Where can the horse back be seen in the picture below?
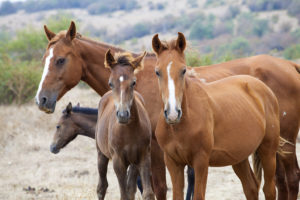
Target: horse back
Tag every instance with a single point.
(244, 110)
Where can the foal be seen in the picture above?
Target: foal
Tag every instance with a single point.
(215, 124)
(123, 130)
(74, 121)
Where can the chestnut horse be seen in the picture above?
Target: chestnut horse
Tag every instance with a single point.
(123, 129)
(70, 58)
(215, 124)
(73, 122)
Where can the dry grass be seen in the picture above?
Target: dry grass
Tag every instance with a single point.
(25, 136)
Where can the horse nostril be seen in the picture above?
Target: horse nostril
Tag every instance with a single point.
(127, 114)
(166, 113)
(179, 113)
(44, 100)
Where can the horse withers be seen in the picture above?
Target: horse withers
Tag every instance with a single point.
(215, 124)
(123, 130)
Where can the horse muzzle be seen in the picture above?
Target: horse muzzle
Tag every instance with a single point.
(123, 116)
(46, 104)
(54, 149)
(173, 117)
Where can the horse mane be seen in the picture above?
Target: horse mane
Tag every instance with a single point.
(169, 44)
(63, 33)
(83, 110)
(124, 58)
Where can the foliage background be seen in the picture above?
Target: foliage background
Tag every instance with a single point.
(242, 30)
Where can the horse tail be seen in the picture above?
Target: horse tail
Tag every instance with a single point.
(257, 166)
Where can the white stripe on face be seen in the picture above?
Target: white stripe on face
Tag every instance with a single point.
(45, 72)
(172, 100)
(121, 80)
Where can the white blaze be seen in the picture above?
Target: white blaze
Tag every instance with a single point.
(172, 100)
(45, 72)
(121, 80)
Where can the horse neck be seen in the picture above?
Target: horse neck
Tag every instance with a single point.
(86, 124)
(192, 85)
(94, 73)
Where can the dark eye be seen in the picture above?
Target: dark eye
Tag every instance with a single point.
(157, 73)
(58, 126)
(183, 71)
(133, 83)
(60, 61)
(111, 85)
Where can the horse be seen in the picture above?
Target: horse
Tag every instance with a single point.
(215, 124)
(73, 122)
(70, 57)
(123, 129)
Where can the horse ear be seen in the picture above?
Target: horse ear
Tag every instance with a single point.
(71, 34)
(156, 44)
(49, 33)
(138, 62)
(181, 42)
(109, 60)
(69, 108)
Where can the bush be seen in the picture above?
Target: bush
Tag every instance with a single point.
(262, 5)
(292, 52)
(248, 25)
(105, 6)
(18, 81)
(202, 28)
(7, 8)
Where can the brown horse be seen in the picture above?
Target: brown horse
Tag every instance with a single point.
(73, 122)
(123, 130)
(76, 58)
(215, 124)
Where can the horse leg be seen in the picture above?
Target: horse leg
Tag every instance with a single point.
(292, 174)
(267, 155)
(144, 168)
(176, 171)
(247, 178)
(281, 183)
(131, 181)
(120, 169)
(158, 169)
(200, 166)
(102, 169)
(191, 182)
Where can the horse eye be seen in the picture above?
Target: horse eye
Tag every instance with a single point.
(60, 61)
(183, 71)
(157, 73)
(111, 85)
(133, 83)
(58, 126)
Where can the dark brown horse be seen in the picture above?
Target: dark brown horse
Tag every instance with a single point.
(73, 122)
(123, 130)
(76, 58)
(215, 124)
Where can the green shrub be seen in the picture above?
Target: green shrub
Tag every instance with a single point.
(7, 8)
(106, 6)
(292, 52)
(194, 59)
(18, 81)
(202, 28)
